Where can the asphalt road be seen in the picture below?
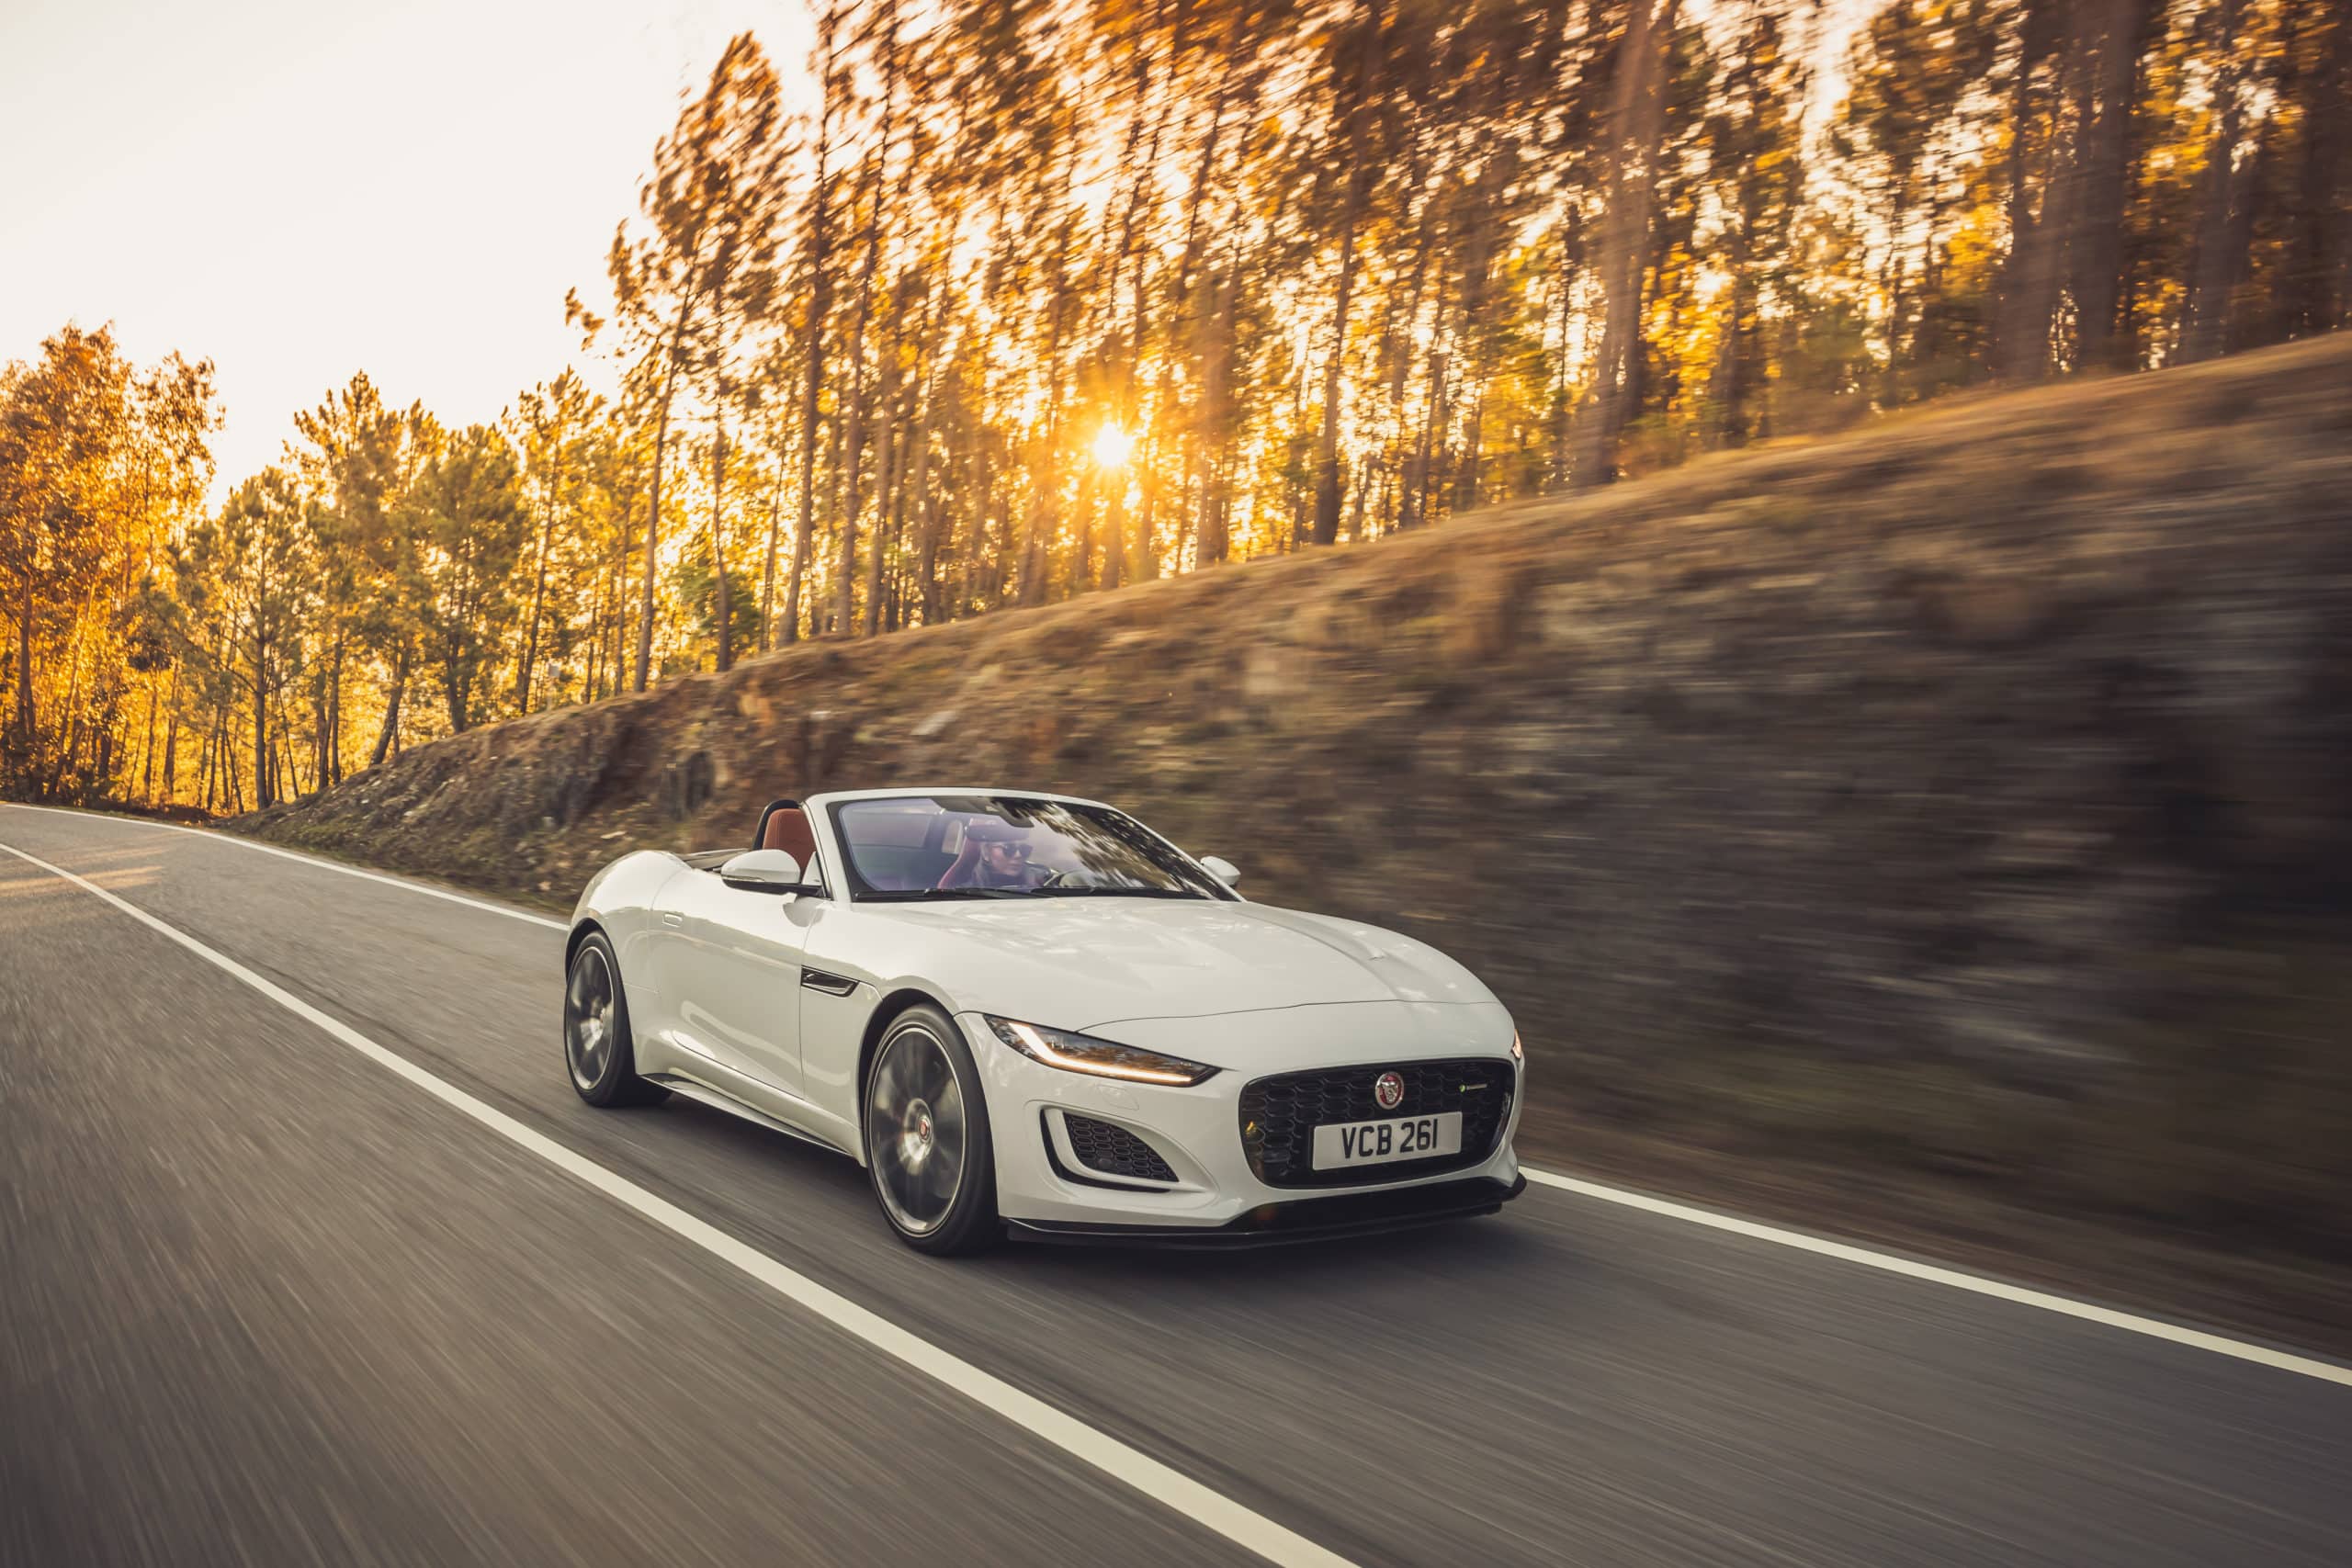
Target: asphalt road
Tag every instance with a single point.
(264, 1299)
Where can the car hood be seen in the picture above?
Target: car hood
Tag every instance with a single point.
(1085, 963)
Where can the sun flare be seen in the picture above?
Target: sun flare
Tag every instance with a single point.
(1114, 444)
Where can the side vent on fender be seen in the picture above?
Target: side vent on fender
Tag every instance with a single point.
(831, 985)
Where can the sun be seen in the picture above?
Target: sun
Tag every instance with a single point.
(1114, 444)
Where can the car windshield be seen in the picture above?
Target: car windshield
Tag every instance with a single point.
(904, 848)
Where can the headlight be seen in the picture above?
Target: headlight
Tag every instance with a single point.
(1083, 1054)
(1518, 1052)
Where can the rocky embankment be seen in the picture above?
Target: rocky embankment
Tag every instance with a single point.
(1967, 801)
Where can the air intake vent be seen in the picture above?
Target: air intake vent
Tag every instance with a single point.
(1113, 1151)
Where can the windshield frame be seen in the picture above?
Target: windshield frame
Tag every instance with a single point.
(1207, 887)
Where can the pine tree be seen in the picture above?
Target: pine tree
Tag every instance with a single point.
(684, 288)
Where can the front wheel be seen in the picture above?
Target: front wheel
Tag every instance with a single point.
(926, 1132)
(599, 1055)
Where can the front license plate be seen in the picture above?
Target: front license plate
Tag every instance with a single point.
(1340, 1144)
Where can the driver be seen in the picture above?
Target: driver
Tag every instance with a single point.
(995, 854)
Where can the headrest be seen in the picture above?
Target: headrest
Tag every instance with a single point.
(787, 829)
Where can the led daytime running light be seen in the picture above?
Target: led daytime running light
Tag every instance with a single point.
(1035, 1042)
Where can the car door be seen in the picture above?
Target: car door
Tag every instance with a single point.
(729, 971)
(838, 992)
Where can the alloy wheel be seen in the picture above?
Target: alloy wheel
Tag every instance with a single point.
(915, 1130)
(588, 1017)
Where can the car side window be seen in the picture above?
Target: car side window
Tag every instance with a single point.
(900, 848)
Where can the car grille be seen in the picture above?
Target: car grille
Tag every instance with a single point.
(1113, 1151)
(1279, 1116)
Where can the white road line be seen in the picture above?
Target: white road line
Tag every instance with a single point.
(426, 888)
(2154, 1328)
(1170, 1488)
(1976, 1284)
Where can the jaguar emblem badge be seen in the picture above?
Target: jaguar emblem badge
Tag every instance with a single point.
(1388, 1088)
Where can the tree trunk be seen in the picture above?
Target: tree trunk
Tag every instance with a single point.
(718, 541)
(847, 481)
(1498, 166)
(1395, 345)
(289, 755)
(853, 440)
(2029, 282)
(918, 487)
(1897, 218)
(2306, 297)
(1180, 300)
(232, 783)
(147, 752)
(25, 666)
(71, 712)
(654, 504)
(1046, 452)
(2119, 27)
(1638, 123)
(391, 713)
(1474, 446)
(1359, 188)
(885, 401)
(1215, 541)
(1326, 442)
(319, 723)
(2213, 271)
(1425, 463)
(804, 528)
(453, 697)
(262, 780)
(610, 629)
(204, 768)
(2328, 184)
(767, 572)
(820, 303)
(591, 690)
(1731, 387)
(334, 718)
(538, 592)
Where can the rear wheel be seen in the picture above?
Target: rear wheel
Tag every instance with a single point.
(926, 1131)
(599, 1055)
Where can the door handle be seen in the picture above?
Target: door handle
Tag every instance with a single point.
(670, 920)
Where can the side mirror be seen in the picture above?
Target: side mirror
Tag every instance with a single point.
(1225, 871)
(762, 871)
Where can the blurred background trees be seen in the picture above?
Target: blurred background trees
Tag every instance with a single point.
(1004, 301)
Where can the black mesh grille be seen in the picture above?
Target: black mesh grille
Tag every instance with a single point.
(1113, 1151)
(1279, 1116)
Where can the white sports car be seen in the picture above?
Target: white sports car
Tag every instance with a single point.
(1030, 1013)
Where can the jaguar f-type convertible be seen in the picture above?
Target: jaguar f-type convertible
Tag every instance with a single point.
(1031, 1014)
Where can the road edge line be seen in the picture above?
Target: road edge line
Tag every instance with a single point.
(1954, 1278)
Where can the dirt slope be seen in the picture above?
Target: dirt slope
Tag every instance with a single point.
(1966, 802)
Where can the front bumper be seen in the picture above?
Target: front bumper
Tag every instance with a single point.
(1296, 1219)
(1215, 1199)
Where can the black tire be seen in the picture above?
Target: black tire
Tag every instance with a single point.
(922, 1088)
(599, 1051)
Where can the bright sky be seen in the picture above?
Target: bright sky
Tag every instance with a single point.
(303, 188)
